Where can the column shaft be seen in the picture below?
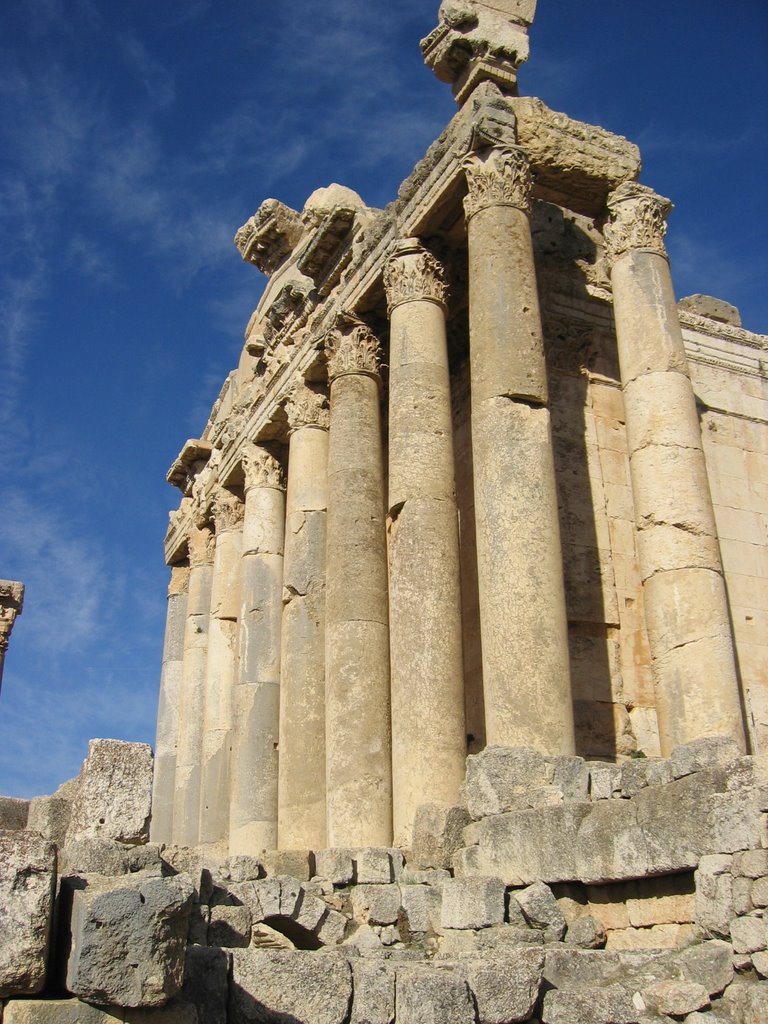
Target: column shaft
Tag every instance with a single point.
(689, 630)
(358, 738)
(189, 751)
(253, 803)
(168, 709)
(221, 672)
(301, 785)
(523, 625)
(428, 730)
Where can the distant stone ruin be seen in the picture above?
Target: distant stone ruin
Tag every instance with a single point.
(464, 706)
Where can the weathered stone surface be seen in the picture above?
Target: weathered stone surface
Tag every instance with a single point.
(49, 815)
(714, 896)
(712, 308)
(604, 780)
(708, 964)
(755, 1006)
(206, 983)
(95, 856)
(14, 813)
(376, 904)
(115, 793)
(244, 868)
(377, 865)
(374, 993)
(275, 987)
(676, 998)
(498, 775)
(613, 1004)
(27, 886)
(336, 865)
(296, 863)
(505, 985)
(734, 821)
(708, 752)
(541, 909)
(437, 834)
(432, 997)
(230, 927)
(422, 906)
(73, 1011)
(749, 934)
(611, 844)
(128, 939)
(586, 932)
(751, 863)
(472, 902)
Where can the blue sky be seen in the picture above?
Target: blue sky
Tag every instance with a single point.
(135, 138)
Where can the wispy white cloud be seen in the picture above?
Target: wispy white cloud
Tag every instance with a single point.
(157, 80)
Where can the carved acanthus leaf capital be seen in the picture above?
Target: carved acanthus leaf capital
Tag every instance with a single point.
(352, 347)
(637, 221)
(227, 510)
(202, 545)
(306, 407)
(497, 177)
(261, 468)
(413, 273)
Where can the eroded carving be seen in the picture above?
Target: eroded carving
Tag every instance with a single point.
(306, 407)
(270, 236)
(638, 221)
(227, 510)
(261, 468)
(201, 544)
(352, 347)
(413, 273)
(497, 177)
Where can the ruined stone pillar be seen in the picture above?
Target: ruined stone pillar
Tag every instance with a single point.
(11, 605)
(428, 733)
(689, 631)
(358, 731)
(523, 624)
(221, 673)
(301, 784)
(168, 708)
(189, 750)
(253, 801)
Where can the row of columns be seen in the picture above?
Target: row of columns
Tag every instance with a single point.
(321, 678)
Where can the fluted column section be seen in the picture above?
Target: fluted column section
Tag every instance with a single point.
(168, 708)
(189, 751)
(523, 624)
(358, 737)
(221, 673)
(689, 631)
(253, 802)
(301, 785)
(428, 732)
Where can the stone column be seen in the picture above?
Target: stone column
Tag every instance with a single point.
(428, 733)
(11, 605)
(168, 708)
(253, 802)
(523, 626)
(301, 785)
(189, 750)
(689, 631)
(221, 673)
(358, 731)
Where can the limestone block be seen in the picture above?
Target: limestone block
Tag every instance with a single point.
(640, 772)
(570, 776)
(749, 934)
(230, 927)
(611, 843)
(432, 997)
(373, 1001)
(658, 936)
(13, 813)
(665, 900)
(614, 1003)
(206, 983)
(422, 906)
(499, 774)
(437, 834)
(114, 796)
(332, 928)
(505, 985)
(759, 892)
(708, 964)
(760, 963)
(755, 1007)
(243, 868)
(751, 863)
(27, 886)
(472, 902)
(262, 897)
(94, 856)
(377, 865)
(298, 864)
(734, 821)
(417, 876)
(586, 932)
(289, 985)
(336, 865)
(49, 815)
(742, 897)
(365, 940)
(73, 1011)
(185, 861)
(676, 998)
(604, 780)
(541, 909)
(707, 752)
(376, 904)
(127, 940)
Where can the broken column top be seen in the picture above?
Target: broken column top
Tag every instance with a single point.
(11, 604)
(479, 41)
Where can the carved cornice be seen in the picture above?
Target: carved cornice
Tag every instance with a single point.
(352, 347)
(499, 176)
(201, 543)
(637, 221)
(718, 329)
(306, 407)
(270, 236)
(227, 510)
(261, 468)
(413, 274)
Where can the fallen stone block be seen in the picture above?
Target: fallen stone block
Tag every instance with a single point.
(27, 887)
(676, 998)
(276, 985)
(432, 996)
(114, 796)
(49, 815)
(89, 855)
(422, 907)
(73, 1011)
(541, 909)
(206, 983)
(336, 865)
(242, 868)
(230, 927)
(498, 775)
(613, 1004)
(505, 985)
(376, 865)
(472, 902)
(373, 1000)
(376, 904)
(14, 813)
(437, 834)
(128, 939)
(707, 752)
(332, 928)
(586, 932)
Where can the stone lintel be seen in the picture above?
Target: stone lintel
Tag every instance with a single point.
(712, 308)
(191, 459)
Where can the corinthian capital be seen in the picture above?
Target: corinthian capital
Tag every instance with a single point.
(306, 408)
(201, 544)
(227, 510)
(352, 347)
(638, 220)
(497, 177)
(261, 468)
(413, 273)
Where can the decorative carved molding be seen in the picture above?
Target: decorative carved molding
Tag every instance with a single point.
(637, 221)
(261, 468)
(227, 510)
(287, 312)
(412, 274)
(202, 546)
(497, 177)
(306, 407)
(718, 329)
(270, 236)
(352, 347)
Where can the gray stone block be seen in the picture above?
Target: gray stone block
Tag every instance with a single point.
(498, 775)
(49, 815)
(714, 898)
(376, 904)
(88, 855)
(751, 863)
(541, 909)
(277, 985)
(27, 887)
(734, 821)
(505, 984)
(376, 865)
(437, 834)
(676, 998)
(427, 996)
(114, 796)
(749, 934)
(373, 1000)
(336, 865)
(230, 927)
(586, 932)
(571, 777)
(14, 814)
(604, 780)
(611, 844)
(614, 1003)
(472, 902)
(298, 864)
(707, 752)
(422, 907)
(755, 1005)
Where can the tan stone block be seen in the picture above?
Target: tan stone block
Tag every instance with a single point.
(619, 501)
(607, 903)
(645, 728)
(660, 904)
(660, 936)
